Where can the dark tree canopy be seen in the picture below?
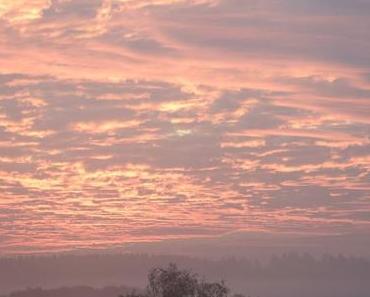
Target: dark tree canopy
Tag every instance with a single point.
(173, 282)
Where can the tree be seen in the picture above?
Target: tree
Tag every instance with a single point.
(173, 282)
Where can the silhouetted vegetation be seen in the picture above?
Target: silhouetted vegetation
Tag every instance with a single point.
(173, 282)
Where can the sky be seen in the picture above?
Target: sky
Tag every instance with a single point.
(138, 121)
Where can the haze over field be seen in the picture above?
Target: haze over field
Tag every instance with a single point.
(207, 128)
(278, 276)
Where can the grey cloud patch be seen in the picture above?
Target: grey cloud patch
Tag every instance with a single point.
(259, 118)
(141, 43)
(328, 7)
(80, 8)
(315, 38)
(231, 100)
(338, 88)
(299, 156)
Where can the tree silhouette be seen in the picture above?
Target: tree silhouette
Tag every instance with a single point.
(173, 282)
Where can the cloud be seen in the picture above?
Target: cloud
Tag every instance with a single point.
(120, 118)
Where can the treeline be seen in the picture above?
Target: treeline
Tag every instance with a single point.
(81, 291)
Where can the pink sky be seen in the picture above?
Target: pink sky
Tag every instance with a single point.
(125, 121)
